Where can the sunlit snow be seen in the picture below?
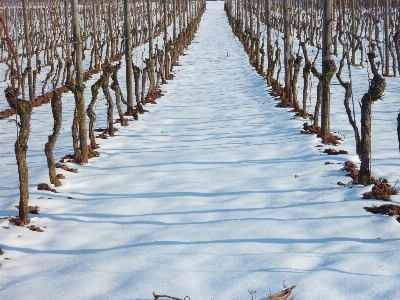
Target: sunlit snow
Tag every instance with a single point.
(211, 194)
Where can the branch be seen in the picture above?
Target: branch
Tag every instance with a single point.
(371, 59)
(303, 46)
(378, 83)
(315, 72)
(12, 50)
(339, 73)
(283, 294)
(316, 56)
(166, 296)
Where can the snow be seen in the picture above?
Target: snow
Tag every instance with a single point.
(211, 194)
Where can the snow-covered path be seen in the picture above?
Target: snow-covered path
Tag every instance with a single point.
(211, 194)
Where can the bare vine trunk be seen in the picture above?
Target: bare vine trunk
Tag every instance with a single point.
(24, 111)
(306, 80)
(317, 105)
(375, 91)
(118, 93)
(110, 104)
(90, 111)
(287, 55)
(56, 108)
(270, 51)
(328, 70)
(79, 86)
(128, 57)
(28, 53)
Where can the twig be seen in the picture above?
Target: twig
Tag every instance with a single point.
(169, 297)
(283, 295)
(12, 50)
(395, 183)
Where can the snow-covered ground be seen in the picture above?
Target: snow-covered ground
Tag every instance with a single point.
(213, 193)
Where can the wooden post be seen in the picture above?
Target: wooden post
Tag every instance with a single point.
(128, 57)
(28, 53)
(79, 86)
(328, 70)
(287, 54)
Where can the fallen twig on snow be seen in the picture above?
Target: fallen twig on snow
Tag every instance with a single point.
(283, 295)
(156, 297)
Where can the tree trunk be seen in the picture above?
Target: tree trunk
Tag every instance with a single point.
(353, 33)
(296, 64)
(28, 53)
(150, 20)
(110, 104)
(90, 111)
(287, 52)
(398, 129)
(151, 49)
(348, 94)
(67, 33)
(317, 105)
(251, 32)
(396, 40)
(79, 86)
(269, 42)
(128, 57)
(24, 111)
(311, 34)
(13, 53)
(136, 74)
(258, 37)
(56, 108)
(166, 59)
(364, 176)
(328, 70)
(118, 94)
(16, 54)
(375, 91)
(306, 79)
(386, 29)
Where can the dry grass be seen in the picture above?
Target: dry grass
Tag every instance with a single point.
(385, 209)
(310, 129)
(282, 295)
(66, 168)
(32, 209)
(352, 169)
(331, 151)
(45, 187)
(381, 190)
